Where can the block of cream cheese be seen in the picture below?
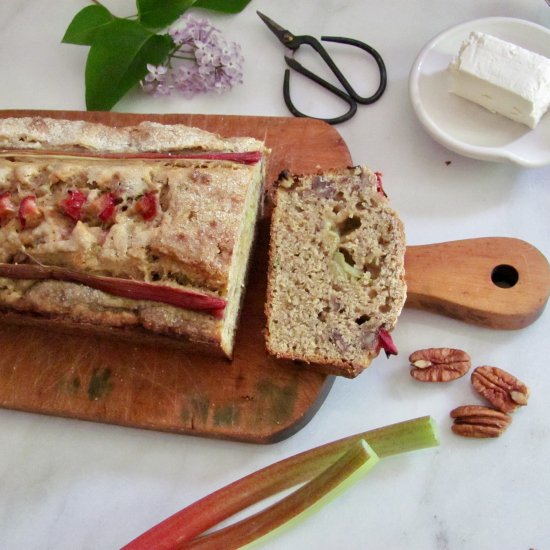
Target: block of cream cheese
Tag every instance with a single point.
(502, 77)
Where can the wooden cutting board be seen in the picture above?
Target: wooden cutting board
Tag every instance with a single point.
(253, 398)
(497, 282)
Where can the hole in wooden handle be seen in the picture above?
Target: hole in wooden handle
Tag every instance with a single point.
(505, 276)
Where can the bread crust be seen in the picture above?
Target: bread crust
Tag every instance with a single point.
(40, 133)
(133, 335)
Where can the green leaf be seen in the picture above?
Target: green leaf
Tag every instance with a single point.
(155, 14)
(118, 60)
(86, 23)
(225, 6)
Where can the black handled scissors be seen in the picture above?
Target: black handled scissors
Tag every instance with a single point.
(350, 96)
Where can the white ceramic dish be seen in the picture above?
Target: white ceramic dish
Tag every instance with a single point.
(463, 126)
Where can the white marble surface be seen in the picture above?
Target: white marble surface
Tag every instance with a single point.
(76, 485)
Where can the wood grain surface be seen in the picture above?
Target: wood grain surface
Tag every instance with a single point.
(253, 398)
(497, 282)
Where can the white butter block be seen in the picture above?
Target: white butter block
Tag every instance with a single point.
(502, 77)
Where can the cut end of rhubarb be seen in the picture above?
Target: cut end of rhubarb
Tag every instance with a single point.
(402, 437)
(386, 343)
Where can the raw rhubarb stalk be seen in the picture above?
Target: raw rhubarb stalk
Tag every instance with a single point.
(246, 157)
(207, 512)
(125, 288)
(355, 463)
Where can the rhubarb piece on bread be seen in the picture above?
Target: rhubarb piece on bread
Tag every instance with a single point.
(138, 232)
(336, 281)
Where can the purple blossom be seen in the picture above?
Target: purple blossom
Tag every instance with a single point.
(203, 61)
(156, 72)
(155, 80)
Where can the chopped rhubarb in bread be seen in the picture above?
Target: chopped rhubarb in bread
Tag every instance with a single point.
(143, 230)
(336, 282)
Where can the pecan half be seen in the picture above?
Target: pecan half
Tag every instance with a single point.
(503, 390)
(479, 422)
(439, 364)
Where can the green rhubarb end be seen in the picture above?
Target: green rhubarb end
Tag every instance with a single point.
(402, 437)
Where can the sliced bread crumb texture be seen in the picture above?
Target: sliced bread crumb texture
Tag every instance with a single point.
(336, 274)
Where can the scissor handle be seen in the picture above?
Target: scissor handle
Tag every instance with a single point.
(327, 85)
(350, 96)
(370, 50)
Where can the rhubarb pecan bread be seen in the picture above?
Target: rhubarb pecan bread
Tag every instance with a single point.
(336, 281)
(131, 231)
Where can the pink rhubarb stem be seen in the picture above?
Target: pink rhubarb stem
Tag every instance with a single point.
(125, 288)
(386, 342)
(245, 157)
(187, 524)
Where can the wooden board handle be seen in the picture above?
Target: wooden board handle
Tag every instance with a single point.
(497, 282)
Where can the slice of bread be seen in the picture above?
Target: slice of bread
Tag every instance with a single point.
(336, 279)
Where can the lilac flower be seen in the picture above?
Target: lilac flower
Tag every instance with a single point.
(155, 79)
(156, 73)
(201, 61)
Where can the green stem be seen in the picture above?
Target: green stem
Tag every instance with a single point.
(182, 57)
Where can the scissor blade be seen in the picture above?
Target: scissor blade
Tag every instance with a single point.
(282, 34)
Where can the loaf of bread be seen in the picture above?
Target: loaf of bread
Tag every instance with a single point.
(136, 232)
(336, 281)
